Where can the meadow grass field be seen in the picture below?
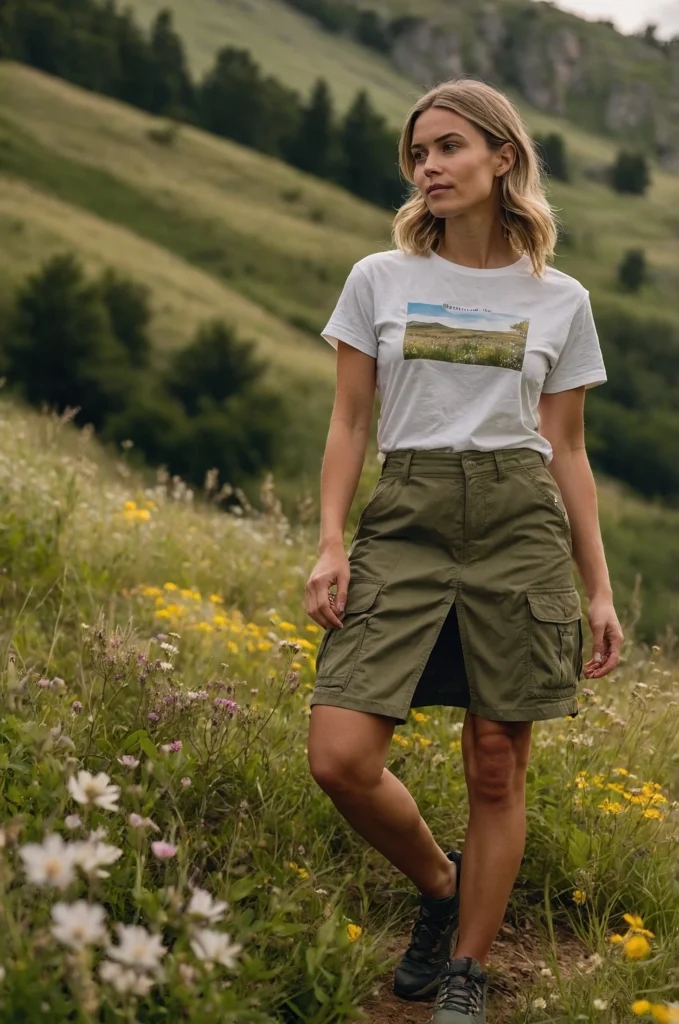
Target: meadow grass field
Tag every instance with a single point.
(164, 851)
(462, 345)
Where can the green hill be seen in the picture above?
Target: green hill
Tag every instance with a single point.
(216, 229)
(544, 57)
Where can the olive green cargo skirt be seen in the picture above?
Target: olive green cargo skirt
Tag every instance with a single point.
(461, 592)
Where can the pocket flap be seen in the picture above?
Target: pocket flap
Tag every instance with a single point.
(362, 593)
(555, 605)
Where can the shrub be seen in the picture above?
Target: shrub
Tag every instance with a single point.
(632, 270)
(630, 173)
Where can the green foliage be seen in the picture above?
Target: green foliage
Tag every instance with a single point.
(632, 270)
(213, 368)
(235, 100)
(631, 173)
(62, 349)
(552, 151)
(102, 49)
(85, 344)
(313, 148)
(369, 166)
(129, 310)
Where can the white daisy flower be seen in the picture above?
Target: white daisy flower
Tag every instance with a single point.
(124, 979)
(539, 1004)
(215, 948)
(600, 1004)
(170, 648)
(94, 789)
(79, 924)
(92, 855)
(49, 863)
(138, 948)
(202, 905)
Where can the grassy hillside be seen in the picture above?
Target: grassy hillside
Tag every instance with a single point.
(167, 644)
(286, 44)
(217, 229)
(276, 236)
(213, 228)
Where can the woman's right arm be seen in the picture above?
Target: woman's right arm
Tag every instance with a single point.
(343, 460)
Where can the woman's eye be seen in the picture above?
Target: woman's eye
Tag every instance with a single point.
(453, 144)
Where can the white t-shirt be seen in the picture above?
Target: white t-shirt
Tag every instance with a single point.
(463, 354)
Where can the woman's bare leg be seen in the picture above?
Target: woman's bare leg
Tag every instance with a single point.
(347, 751)
(495, 758)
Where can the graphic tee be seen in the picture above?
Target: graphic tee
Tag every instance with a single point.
(463, 354)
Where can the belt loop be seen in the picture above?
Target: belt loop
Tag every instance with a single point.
(406, 467)
(500, 467)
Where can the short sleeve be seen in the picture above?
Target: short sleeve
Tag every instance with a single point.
(353, 319)
(580, 361)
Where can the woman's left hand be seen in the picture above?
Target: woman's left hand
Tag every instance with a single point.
(607, 638)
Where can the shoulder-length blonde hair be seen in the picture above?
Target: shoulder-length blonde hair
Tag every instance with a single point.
(527, 217)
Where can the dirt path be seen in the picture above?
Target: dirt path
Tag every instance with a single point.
(513, 965)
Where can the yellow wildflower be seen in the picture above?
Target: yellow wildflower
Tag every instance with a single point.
(170, 586)
(216, 599)
(610, 806)
(615, 939)
(420, 717)
(622, 771)
(313, 629)
(232, 646)
(660, 1013)
(636, 924)
(353, 932)
(636, 948)
(130, 506)
(579, 897)
(651, 812)
(288, 626)
(640, 1007)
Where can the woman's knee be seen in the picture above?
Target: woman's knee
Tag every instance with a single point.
(496, 762)
(345, 752)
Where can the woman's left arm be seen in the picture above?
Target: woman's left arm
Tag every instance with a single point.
(562, 423)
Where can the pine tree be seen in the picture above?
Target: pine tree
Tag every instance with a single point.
(313, 144)
(173, 91)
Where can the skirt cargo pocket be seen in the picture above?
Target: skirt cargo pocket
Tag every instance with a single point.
(554, 640)
(340, 648)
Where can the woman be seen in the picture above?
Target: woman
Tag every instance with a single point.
(458, 586)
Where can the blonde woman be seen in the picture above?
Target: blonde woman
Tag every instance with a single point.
(458, 585)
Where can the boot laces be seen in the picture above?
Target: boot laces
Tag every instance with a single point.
(462, 992)
(426, 935)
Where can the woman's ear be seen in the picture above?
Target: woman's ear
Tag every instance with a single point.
(506, 158)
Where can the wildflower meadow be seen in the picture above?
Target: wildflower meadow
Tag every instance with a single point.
(164, 852)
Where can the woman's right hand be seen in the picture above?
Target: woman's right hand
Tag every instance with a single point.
(332, 567)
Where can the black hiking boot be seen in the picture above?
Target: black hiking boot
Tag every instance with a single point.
(461, 997)
(417, 973)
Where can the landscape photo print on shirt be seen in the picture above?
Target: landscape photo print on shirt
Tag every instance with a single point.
(456, 334)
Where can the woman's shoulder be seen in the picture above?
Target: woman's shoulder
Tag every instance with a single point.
(387, 259)
(564, 283)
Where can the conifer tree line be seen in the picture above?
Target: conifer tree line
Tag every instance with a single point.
(72, 341)
(99, 47)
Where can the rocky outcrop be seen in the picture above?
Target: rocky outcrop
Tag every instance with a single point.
(559, 63)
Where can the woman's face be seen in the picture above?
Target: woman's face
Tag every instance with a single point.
(452, 155)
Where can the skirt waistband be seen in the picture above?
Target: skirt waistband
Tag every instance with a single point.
(408, 462)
